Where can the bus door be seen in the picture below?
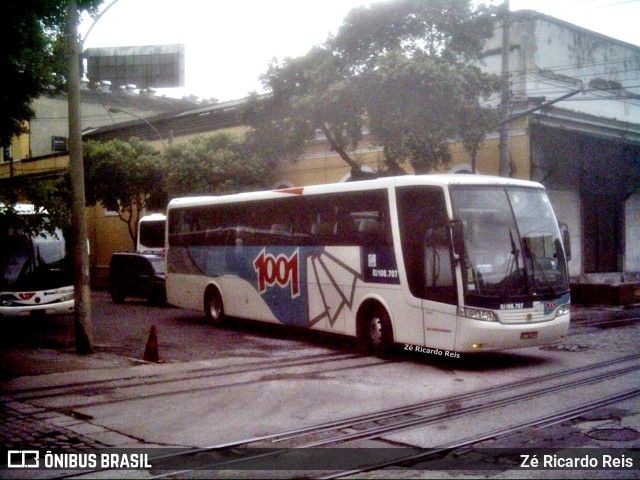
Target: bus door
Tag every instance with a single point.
(440, 292)
(426, 251)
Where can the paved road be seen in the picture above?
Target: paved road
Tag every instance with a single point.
(32, 346)
(121, 333)
(205, 411)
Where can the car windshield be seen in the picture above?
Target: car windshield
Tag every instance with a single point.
(512, 242)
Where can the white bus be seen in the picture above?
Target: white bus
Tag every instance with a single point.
(151, 230)
(35, 273)
(453, 263)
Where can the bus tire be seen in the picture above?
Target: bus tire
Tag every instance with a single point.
(158, 297)
(213, 306)
(376, 336)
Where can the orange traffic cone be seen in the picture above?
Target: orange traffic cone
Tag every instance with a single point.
(151, 352)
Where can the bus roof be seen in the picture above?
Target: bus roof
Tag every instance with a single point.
(25, 209)
(153, 217)
(386, 182)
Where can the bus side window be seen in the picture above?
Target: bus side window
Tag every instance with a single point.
(321, 226)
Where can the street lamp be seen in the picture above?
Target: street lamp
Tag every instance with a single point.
(81, 40)
(155, 130)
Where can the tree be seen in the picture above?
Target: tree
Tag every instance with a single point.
(406, 70)
(214, 165)
(124, 177)
(32, 62)
(51, 195)
(128, 177)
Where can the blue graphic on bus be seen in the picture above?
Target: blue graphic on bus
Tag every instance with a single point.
(281, 277)
(278, 275)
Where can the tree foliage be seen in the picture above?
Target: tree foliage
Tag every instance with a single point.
(406, 70)
(214, 165)
(31, 59)
(50, 195)
(124, 177)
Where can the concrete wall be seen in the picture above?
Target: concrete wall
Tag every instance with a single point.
(107, 234)
(632, 233)
(566, 204)
(549, 57)
(321, 165)
(52, 119)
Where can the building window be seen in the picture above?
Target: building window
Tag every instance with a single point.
(59, 144)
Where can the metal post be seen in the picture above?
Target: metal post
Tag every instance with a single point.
(80, 248)
(505, 169)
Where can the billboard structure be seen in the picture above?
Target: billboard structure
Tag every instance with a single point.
(149, 66)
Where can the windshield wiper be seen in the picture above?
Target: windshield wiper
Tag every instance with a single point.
(536, 264)
(513, 263)
(513, 268)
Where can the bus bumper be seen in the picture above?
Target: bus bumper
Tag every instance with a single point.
(477, 335)
(59, 308)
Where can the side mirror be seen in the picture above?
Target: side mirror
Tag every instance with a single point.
(457, 238)
(566, 239)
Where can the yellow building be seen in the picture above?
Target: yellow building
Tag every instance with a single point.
(42, 153)
(318, 165)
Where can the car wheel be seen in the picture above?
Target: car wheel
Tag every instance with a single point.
(213, 306)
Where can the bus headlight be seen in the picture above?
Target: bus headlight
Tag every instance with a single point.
(563, 309)
(477, 314)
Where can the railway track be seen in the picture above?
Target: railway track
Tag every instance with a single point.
(539, 422)
(124, 389)
(583, 326)
(384, 427)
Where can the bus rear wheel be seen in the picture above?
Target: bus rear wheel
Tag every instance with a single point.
(377, 337)
(213, 306)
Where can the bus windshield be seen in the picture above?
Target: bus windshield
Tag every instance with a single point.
(512, 243)
(151, 233)
(33, 262)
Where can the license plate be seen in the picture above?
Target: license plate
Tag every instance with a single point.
(528, 335)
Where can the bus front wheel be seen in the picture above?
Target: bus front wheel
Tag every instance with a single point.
(377, 335)
(213, 306)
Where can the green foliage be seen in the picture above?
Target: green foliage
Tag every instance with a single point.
(54, 196)
(214, 165)
(417, 107)
(32, 59)
(51, 195)
(123, 176)
(314, 92)
(404, 69)
(450, 29)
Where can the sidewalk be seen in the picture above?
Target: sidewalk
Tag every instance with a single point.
(23, 426)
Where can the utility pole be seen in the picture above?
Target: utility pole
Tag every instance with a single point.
(505, 168)
(80, 249)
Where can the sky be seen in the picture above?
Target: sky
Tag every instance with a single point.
(229, 43)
